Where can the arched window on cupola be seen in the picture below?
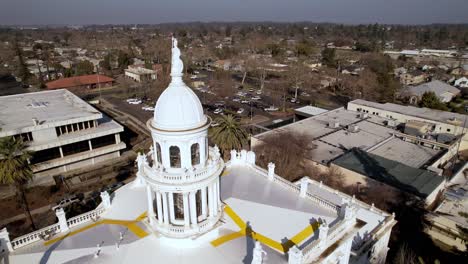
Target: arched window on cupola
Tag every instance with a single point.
(158, 153)
(195, 151)
(174, 156)
(178, 206)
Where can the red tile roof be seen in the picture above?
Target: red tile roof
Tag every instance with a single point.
(78, 81)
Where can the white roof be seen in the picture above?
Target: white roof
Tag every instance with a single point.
(178, 107)
(310, 110)
(51, 108)
(272, 210)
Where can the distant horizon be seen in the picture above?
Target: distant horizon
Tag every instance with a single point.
(229, 22)
(152, 12)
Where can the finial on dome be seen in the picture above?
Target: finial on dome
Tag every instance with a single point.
(176, 63)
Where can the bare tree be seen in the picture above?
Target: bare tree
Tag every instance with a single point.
(287, 151)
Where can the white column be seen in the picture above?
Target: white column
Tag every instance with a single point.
(215, 199)
(90, 145)
(159, 207)
(106, 199)
(203, 202)
(218, 193)
(186, 210)
(193, 209)
(201, 144)
(165, 209)
(62, 220)
(149, 197)
(171, 207)
(271, 170)
(304, 187)
(210, 201)
(117, 138)
(295, 255)
(61, 152)
(5, 239)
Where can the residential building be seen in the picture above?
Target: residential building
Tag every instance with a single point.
(140, 73)
(222, 64)
(63, 131)
(82, 82)
(443, 91)
(178, 209)
(461, 82)
(412, 78)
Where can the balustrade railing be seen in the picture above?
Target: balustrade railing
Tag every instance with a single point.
(35, 236)
(187, 176)
(322, 202)
(49, 231)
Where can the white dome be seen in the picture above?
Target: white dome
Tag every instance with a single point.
(178, 107)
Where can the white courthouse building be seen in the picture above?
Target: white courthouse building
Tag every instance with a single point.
(188, 206)
(63, 131)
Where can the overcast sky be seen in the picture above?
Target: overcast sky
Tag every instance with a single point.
(66, 12)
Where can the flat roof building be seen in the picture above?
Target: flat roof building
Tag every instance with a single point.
(63, 131)
(140, 74)
(336, 133)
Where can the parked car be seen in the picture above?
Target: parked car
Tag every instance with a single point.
(134, 101)
(258, 92)
(271, 109)
(235, 99)
(66, 202)
(245, 102)
(218, 111)
(256, 98)
(240, 111)
(148, 108)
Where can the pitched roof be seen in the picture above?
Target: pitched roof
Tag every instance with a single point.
(78, 81)
(416, 181)
(435, 86)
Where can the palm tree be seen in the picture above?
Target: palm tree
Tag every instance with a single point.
(15, 168)
(228, 134)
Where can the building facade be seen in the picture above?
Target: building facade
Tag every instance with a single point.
(63, 131)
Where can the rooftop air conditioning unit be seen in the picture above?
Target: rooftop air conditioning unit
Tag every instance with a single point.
(353, 128)
(334, 124)
(391, 123)
(363, 115)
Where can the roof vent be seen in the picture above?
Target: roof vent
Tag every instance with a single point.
(334, 124)
(363, 115)
(390, 123)
(353, 128)
(35, 121)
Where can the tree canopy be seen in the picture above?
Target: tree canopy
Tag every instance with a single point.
(430, 100)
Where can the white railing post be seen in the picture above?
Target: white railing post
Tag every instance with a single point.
(5, 241)
(62, 220)
(243, 155)
(323, 234)
(304, 186)
(271, 170)
(251, 158)
(105, 197)
(258, 253)
(295, 256)
(233, 156)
